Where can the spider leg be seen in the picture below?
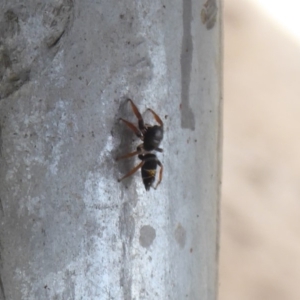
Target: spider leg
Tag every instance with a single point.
(133, 128)
(139, 150)
(132, 171)
(137, 114)
(127, 155)
(160, 174)
(156, 117)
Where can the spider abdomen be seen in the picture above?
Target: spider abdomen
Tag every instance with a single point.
(148, 169)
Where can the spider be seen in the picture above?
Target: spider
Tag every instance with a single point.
(151, 137)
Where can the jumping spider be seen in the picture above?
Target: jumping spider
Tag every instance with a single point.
(151, 137)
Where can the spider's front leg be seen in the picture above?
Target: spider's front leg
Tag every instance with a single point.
(133, 128)
(138, 115)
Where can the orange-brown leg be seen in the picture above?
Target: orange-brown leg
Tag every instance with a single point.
(132, 171)
(139, 150)
(156, 117)
(160, 174)
(133, 128)
(127, 155)
(137, 114)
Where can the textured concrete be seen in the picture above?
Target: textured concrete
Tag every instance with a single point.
(69, 230)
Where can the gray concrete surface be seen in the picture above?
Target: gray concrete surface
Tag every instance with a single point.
(69, 230)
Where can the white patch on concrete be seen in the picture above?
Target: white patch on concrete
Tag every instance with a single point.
(109, 146)
(59, 113)
(105, 252)
(34, 31)
(56, 156)
(152, 209)
(57, 70)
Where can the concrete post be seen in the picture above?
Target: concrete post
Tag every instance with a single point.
(69, 230)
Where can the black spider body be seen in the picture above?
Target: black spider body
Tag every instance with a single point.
(151, 137)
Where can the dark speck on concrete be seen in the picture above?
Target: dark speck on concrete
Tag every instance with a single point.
(180, 235)
(187, 116)
(147, 236)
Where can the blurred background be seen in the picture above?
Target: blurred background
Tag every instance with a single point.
(260, 215)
